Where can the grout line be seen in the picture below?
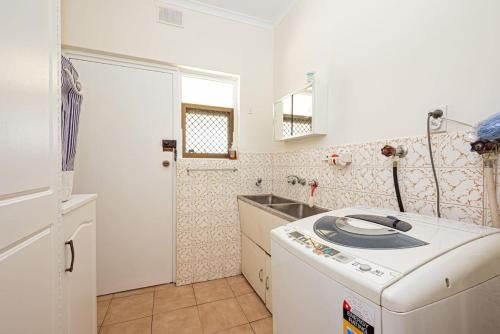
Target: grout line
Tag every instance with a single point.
(106, 313)
(122, 322)
(152, 311)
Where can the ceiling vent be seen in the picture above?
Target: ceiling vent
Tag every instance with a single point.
(170, 16)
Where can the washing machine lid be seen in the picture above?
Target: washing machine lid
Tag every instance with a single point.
(438, 235)
(366, 231)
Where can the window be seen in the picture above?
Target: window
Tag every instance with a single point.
(207, 117)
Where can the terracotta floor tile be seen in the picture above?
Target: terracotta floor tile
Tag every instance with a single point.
(264, 326)
(104, 297)
(134, 292)
(170, 297)
(239, 285)
(129, 308)
(210, 291)
(102, 308)
(183, 321)
(253, 307)
(245, 329)
(220, 315)
(139, 326)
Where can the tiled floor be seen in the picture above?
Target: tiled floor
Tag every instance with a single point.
(224, 306)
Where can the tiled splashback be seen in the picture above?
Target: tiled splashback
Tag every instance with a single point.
(368, 180)
(208, 230)
(208, 227)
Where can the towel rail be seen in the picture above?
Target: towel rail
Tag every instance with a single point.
(189, 170)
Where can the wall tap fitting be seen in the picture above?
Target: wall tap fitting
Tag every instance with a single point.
(482, 146)
(259, 182)
(390, 151)
(294, 179)
(313, 183)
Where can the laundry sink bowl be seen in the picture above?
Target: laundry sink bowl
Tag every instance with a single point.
(268, 199)
(298, 210)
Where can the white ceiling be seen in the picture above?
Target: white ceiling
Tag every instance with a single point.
(258, 12)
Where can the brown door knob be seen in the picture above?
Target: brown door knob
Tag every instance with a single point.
(166, 163)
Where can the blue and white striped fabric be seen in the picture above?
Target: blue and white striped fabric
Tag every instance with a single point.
(71, 101)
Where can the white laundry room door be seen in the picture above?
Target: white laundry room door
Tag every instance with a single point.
(29, 166)
(127, 111)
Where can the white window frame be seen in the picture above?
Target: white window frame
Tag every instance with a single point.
(211, 76)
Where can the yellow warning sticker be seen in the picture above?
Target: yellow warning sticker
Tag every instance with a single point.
(350, 329)
(353, 323)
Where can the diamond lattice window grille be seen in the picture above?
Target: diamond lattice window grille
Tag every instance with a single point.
(207, 131)
(301, 126)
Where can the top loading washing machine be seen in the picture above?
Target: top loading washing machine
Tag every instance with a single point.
(362, 270)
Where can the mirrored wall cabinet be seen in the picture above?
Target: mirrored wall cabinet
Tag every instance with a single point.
(302, 113)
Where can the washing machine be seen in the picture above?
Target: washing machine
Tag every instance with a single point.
(374, 271)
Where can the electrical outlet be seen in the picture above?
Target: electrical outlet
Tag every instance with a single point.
(439, 125)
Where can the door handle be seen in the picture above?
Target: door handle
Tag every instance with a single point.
(260, 275)
(166, 163)
(267, 282)
(72, 248)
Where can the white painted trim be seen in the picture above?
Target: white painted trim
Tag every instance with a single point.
(219, 12)
(177, 135)
(287, 11)
(119, 61)
(230, 79)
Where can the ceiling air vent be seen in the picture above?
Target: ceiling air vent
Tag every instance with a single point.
(170, 16)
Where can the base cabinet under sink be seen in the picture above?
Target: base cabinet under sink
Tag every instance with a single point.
(256, 226)
(256, 267)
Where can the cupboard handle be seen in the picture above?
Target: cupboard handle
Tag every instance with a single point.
(260, 275)
(267, 282)
(72, 248)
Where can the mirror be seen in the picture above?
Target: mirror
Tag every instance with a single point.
(294, 113)
(283, 117)
(302, 103)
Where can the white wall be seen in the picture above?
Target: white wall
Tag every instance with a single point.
(389, 62)
(129, 27)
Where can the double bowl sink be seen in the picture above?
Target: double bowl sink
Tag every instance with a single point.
(286, 208)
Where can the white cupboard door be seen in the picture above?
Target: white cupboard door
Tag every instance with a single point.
(269, 286)
(29, 166)
(253, 263)
(126, 113)
(80, 282)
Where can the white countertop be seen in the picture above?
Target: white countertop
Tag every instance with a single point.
(76, 201)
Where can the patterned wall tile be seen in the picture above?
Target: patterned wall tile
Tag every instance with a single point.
(383, 181)
(418, 152)
(422, 207)
(343, 178)
(454, 151)
(364, 180)
(364, 154)
(462, 186)
(207, 215)
(418, 183)
(461, 213)
(366, 199)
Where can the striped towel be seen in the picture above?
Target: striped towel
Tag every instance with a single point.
(71, 101)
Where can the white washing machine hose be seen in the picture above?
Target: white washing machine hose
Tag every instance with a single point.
(489, 174)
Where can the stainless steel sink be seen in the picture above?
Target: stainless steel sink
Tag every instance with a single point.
(268, 199)
(298, 210)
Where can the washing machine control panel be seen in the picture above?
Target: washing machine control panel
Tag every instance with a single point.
(371, 271)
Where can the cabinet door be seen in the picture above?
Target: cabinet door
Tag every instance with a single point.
(269, 287)
(80, 283)
(29, 167)
(253, 263)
